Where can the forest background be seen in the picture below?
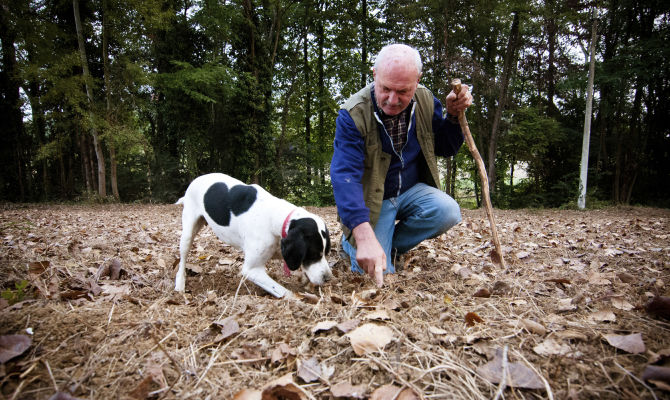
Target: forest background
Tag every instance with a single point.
(129, 100)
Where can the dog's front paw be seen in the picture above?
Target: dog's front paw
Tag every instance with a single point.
(289, 295)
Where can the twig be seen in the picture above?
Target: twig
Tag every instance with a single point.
(503, 380)
(637, 379)
(53, 380)
(456, 87)
(550, 394)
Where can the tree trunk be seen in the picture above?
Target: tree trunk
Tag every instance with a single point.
(102, 187)
(108, 99)
(510, 56)
(552, 31)
(85, 162)
(11, 149)
(364, 43)
(306, 72)
(584, 166)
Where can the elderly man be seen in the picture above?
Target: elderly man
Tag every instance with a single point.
(384, 168)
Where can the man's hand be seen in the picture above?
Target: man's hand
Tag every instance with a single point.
(369, 253)
(460, 102)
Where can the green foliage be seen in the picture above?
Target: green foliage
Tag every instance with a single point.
(17, 294)
(253, 90)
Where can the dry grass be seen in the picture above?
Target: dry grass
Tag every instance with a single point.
(135, 338)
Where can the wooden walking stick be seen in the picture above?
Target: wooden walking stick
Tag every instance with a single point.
(497, 254)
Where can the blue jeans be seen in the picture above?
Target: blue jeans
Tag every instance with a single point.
(422, 212)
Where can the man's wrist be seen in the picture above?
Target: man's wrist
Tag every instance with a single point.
(452, 118)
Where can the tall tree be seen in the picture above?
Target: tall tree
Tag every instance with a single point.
(507, 70)
(102, 186)
(584, 167)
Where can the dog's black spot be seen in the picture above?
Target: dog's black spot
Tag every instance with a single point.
(303, 243)
(327, 237)
(220, 202)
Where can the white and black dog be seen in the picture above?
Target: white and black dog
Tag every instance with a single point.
(251, 219)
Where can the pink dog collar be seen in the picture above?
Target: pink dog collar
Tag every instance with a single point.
(284, 232)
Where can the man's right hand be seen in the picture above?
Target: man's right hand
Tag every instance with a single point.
(369, 253)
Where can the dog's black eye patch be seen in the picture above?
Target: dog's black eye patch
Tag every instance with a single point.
(220, 202)
(312, 237)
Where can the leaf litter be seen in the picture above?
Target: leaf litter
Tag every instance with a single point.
(582, 310)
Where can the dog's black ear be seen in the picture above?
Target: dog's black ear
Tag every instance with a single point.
(293, 249)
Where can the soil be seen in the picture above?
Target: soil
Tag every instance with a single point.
(91, 286)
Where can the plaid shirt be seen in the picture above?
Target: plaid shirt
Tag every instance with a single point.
(396, 127)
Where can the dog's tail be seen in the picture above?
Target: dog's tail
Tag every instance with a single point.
(180, 201)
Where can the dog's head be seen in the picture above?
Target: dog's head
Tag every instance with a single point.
(307, 243)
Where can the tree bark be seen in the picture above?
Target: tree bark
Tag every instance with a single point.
(510, 56)
(364, 42)
(102, 187)
(108, 99)
(584, 166)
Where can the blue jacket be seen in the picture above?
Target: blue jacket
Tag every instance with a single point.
(405, 168)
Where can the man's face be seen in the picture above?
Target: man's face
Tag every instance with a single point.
(395, 84)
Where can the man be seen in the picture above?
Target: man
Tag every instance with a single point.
(384, 166)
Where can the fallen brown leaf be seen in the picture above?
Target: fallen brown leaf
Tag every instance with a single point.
(310, 370)
(346, 390)
(472, 318)
(323, 326)
(629, 343)
(519, 375)
(369, 338)
(12, 346)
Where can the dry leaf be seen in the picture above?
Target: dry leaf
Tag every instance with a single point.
(324, 326)
(533, 327)
(621, 304)
(282, 351)
(519, 375)
(392, 392)
(310, 370)
(248, 394)
(142, 389)
(310, 298)
(603, 316)
(284, 388)
(551, 347)
(437, 331)
(472, 318)
(570, 334)
(369, 338)
(346, 390)
(12, 346)
(630, 343)
(378, 315)
(347, 326)
(566, 305)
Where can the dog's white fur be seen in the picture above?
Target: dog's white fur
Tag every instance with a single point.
(257, 232)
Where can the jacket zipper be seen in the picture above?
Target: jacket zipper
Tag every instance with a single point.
(402, 161)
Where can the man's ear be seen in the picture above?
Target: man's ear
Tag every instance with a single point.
(293, 249)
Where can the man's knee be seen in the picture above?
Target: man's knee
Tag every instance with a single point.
(448, 214)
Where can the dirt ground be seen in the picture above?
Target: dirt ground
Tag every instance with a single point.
(91, 288)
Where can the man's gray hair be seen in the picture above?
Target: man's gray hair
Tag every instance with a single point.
(397, 49)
